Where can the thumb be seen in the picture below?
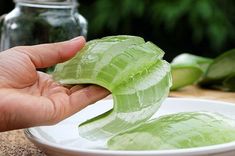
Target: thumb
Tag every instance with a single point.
(46, 55)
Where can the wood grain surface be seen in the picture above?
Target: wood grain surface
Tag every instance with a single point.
(197, 92)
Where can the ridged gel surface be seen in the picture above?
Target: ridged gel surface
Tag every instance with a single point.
(182, 130)
(132, 69)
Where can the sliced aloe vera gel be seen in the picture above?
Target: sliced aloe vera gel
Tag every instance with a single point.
(188, 69)
(134, 72)
(182, 130)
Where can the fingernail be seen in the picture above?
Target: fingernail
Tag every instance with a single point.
(77, 38)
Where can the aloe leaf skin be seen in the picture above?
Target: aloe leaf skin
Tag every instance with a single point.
(221, 68)
(129, 67)
(187, 69)
(229, 83)
(176, 131)
(184, 75)
(190, 59)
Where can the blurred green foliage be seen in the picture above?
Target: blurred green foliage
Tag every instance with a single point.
(201, 27)
(205, 17)
(195, 25)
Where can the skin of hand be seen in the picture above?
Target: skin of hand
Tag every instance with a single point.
(31, 98)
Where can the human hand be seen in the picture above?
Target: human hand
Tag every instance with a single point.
(31, 98)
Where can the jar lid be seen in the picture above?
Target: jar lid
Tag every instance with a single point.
(49, 2)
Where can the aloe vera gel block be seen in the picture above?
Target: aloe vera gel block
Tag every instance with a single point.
(131, 69)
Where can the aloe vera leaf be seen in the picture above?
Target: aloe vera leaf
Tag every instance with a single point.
(221, 68)
(134, 72)
(190, 59)
(229, 83)
(187, 69)
(175, 131)
(183, 75)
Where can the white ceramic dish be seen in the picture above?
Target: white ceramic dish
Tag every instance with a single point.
(63, 138)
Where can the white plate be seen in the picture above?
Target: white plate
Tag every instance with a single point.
(63, 138)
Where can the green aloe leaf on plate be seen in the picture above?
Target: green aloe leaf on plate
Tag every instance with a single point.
(129, 67)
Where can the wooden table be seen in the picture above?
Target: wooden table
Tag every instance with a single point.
(196, 92)
(14, 143)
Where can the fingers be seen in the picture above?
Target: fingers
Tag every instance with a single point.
(46, 55)
(65, 106)
(77, 87)
(86, 96)
(20, 110)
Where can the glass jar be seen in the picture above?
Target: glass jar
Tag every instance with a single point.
(41, 21)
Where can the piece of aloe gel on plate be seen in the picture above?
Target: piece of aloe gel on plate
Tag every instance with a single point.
(181, 130)
(134, 72)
